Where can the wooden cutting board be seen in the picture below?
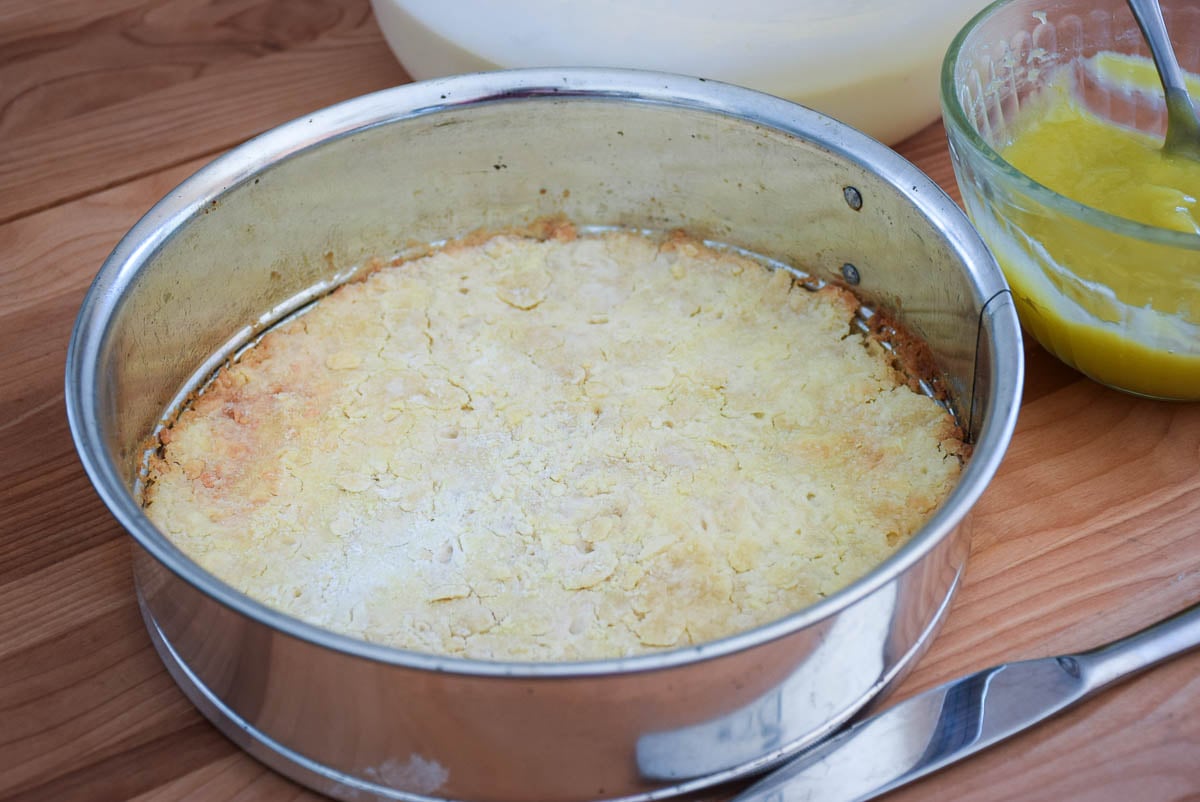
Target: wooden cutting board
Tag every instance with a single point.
(1090, 530)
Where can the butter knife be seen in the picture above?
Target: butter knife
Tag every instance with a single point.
(941, 726)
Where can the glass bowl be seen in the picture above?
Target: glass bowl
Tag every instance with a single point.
(1116, 299)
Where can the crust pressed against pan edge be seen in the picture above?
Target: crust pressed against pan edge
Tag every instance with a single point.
(555, 448)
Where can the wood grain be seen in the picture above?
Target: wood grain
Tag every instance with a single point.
(1091, 529)
(178, 96)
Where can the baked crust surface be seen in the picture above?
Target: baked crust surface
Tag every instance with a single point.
(562, 449)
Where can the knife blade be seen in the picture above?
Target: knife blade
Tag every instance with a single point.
(941, 726)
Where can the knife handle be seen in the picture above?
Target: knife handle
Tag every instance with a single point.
(1130, 655)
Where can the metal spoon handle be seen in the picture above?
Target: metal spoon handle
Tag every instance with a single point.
(1183, 127)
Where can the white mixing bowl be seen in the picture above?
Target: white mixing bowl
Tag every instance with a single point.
(872, 64)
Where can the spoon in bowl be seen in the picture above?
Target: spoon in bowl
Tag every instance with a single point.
(1183, 126)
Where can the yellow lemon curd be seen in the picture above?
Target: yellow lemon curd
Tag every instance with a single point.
(1123, 309)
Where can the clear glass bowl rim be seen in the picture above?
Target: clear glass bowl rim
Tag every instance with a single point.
(956, 117)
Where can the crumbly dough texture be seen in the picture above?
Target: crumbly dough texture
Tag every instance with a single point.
(575, 448)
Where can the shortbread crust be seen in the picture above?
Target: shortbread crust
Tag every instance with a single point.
(563, 449)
